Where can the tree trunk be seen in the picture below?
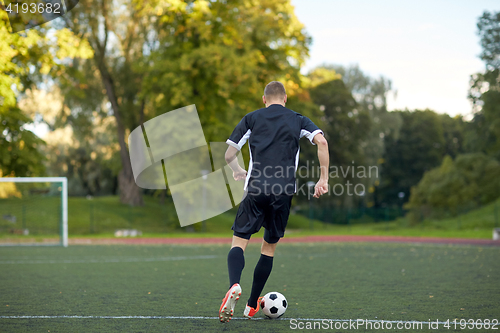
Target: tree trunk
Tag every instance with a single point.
(130, 193)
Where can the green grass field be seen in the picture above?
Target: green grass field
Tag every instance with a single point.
(321, 281)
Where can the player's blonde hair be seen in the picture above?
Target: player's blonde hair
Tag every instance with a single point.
(274, 90)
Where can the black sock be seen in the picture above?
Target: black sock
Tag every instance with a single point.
(260, 275)
(235, 264)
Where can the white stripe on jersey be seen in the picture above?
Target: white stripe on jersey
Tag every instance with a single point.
(310, 135)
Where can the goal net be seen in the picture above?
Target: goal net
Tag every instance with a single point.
(34, 211)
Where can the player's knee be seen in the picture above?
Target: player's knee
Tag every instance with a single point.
(240, 246)
(268, 249)
(239, 242)
(267, 253)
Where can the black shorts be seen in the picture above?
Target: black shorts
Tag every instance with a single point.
(263, 210)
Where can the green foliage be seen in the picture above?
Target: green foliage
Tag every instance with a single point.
(483, 134)
(219, 55)
(371, 97)
(101, 216)
(105, 214)
(19, 155)
(170, 54)
(471, 180)
(489, 30)
(23, 58)
(215, 78)
(419, 147)
(328, 102)
(26, 58)
(369, 119)
(322, 74)
(468, 224)
(88, 172)
(155, 56)
(453, 132)
(491, 111)
(344, 125)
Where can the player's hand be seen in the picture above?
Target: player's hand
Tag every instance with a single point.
(241, 174)
(320, 188)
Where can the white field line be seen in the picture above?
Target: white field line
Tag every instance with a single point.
(108, 260)
(216, 318)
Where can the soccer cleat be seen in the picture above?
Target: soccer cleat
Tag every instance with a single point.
(250, 312)
(226, 310)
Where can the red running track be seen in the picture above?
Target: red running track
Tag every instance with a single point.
(303, 239)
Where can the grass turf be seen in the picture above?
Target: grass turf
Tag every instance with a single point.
(331, 281)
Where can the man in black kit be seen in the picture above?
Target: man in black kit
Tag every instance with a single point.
(273, 134)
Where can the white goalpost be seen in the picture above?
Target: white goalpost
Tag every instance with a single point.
(36, 206)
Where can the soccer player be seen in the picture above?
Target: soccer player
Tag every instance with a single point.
(273, 133)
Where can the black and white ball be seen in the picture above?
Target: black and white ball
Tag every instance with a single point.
(273, 304)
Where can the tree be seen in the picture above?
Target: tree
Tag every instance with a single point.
(471, 180)
(18, 146)
(220, 55)
(25, 59)
(419, 147)
(453, 132)
(371, 97)
(116, 37)
(156, 56)
(344, 124)
(484, 131)
(489, 30)
(19, 154)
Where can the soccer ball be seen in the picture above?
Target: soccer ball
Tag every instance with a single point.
(273, 304)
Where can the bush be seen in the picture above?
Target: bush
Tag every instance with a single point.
(470, 181)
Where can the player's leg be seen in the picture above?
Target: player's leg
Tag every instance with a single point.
(268, 249)
(261, 273)
(263, 268)
(248, 220)
(279, 212)
(236, 258)
(235, 265)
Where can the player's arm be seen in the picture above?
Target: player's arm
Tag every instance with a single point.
(324, 158)
(238, 172)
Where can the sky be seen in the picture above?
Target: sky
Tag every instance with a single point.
(428, 49)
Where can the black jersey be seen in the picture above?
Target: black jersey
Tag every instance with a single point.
(273, 134)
